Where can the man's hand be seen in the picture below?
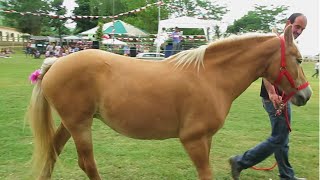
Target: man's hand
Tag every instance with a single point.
(276, 100)
(273, 96)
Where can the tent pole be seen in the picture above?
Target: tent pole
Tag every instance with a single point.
(158, 35)
(113, 29)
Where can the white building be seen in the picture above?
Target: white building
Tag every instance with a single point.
(10, 34)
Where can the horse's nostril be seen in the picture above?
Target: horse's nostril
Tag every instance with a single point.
(301, 100)
(308, 98)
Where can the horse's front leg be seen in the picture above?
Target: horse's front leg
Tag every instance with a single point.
(198, 148)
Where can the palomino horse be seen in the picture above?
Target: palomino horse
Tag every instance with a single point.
(186, 96)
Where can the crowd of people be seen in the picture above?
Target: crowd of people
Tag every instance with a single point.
(58, 51)
(5, 52)
(53, 50)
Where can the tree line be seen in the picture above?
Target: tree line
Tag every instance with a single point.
(261, 18)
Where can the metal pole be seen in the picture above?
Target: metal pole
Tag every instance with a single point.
(159, 30)
(113, 30)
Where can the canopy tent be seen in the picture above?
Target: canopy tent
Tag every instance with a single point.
(187, 22)
(72, 38)
(113, 42)
(120, 27)
(44, 38)
(94, 30)
(117, 27)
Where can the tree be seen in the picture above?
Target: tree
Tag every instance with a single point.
(99, 32)
(25, 23)
(95, 8)
(146, 19)
(33, 24)
(83, 9)
(262, 18)
(58, 23)
(107, 7)
(206, 9)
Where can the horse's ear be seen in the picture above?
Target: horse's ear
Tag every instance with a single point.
(288, 36)
(274, 30)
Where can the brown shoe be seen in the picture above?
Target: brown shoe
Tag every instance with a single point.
(235, 169)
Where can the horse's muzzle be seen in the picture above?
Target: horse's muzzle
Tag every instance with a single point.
(302, 97)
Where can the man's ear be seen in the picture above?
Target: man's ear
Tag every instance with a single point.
(288, 36)
(288, 23)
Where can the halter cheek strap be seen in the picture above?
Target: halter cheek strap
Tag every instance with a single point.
(285, 72)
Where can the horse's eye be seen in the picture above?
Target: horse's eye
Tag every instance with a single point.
(299, 60)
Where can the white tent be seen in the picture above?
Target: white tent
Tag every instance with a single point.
(113, 42)
(117, 27)
(186, 22)
(94, 30)
(72, 38)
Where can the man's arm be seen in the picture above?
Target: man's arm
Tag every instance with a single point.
(273, 96)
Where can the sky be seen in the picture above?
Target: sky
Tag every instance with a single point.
(308, 41)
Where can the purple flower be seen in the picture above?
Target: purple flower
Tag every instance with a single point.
(34, 76)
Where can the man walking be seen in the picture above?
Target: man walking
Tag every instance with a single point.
(277, 143)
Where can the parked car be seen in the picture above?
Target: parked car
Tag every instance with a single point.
(151, 56)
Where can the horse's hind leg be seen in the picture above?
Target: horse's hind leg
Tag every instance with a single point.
(81, 134)
(60, 139)
(198, 150)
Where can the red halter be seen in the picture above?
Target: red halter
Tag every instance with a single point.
(285, 72)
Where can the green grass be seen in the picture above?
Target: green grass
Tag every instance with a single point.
(122, 158)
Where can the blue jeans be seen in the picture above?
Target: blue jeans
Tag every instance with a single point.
(277, 143)
(175, 47)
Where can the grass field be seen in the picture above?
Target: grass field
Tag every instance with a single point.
(122, 158)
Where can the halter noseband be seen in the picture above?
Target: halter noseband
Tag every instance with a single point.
(285, 72)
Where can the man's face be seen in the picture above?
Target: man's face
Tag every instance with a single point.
(298, 26)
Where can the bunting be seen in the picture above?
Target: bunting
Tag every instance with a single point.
(160, 3)
(151, 39)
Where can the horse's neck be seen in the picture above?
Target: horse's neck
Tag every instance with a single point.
(236, 66)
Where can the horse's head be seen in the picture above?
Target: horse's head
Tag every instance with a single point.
(288, 74)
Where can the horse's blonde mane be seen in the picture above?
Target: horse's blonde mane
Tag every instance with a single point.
(196, 56)
(185, 58)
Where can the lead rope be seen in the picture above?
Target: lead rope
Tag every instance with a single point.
(282, 107)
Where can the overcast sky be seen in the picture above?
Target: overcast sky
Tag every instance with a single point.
(308, 41)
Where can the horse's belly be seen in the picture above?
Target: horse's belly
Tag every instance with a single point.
(143, 126)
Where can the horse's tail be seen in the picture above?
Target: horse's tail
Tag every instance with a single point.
(42, 124)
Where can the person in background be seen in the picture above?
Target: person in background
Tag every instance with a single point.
(316, 68)
(162, 37)
(126, 50)
(277, 143)
(176, 40)
(133, 51)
